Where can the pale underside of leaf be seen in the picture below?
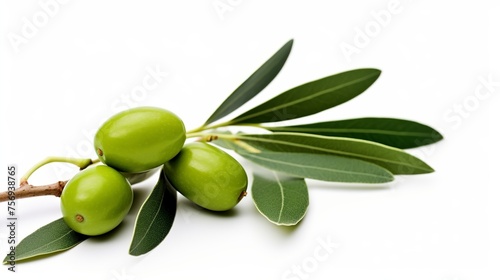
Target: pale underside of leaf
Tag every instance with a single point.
(282, 201)
(51, 238)
(326, 167)
(41, 251)
(395, 160)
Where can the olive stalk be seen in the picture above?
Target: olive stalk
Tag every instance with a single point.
(208, 127)
(27, 190)
(207, 137)
(80, 162)
(201, 129)
(210, 136)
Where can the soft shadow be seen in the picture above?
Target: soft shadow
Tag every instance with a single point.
(40, 257)
(352, 187)
(140, 195)
(285, 231)
(187, 205)
(109, 235)
(290, 230)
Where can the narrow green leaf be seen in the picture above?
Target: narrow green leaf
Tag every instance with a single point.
(51, 238)
(403, 134)
(326, 167)
(312, 97)
(136, 178)
(226, 144)
(254, 84)
(395, 160)
(283, 201)
(155, 217)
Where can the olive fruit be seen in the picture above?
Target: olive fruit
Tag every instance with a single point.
(96, 200)
(139, 139)
(207, 176)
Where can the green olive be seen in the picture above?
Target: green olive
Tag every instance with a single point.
(207, 176)
(139, 139)
(96, 200)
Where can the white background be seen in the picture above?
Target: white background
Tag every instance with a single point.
(82, 61)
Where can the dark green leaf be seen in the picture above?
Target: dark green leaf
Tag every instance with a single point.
(155, 217)
(326, 167)
(136, 178)
(312, 97)
(397, 133)
(254, 84)
(395, 160)
(283, 201)
(51, 238)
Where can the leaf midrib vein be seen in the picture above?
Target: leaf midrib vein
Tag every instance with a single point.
(299, 100)
(48, 244)
(151, 224)
(349, 130)
(328, 150)
(282, 196)
(316, 167)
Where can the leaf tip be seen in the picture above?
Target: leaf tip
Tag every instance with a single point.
(439, 136)
(287, 47)
(427, 169)
(390, 177)
(132, 253)
(375, 72)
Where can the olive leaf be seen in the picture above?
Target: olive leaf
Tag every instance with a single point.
(254, 84)
(226, 144)
(395, 160)
(138, 177)
(155, 218)
(312, 97)
(325, 167)
(403, 134)
(282, 200)
(51, 238)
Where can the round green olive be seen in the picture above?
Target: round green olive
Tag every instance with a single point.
(207, 176)
(139, 139)
(96, 200)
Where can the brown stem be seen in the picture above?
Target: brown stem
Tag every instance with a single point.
(27, 190)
